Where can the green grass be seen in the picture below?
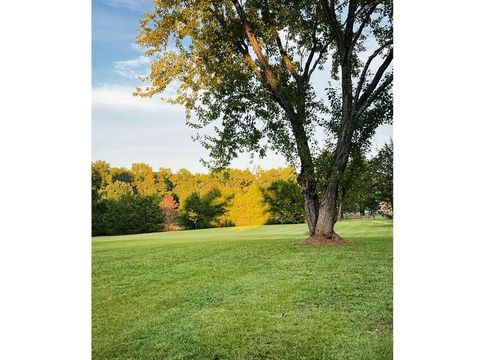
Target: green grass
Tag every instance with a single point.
(244, 293)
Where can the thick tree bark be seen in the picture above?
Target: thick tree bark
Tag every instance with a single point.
(310, 203)
(307, 178)
(327, 213)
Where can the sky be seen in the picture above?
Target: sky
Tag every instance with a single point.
(127, 129)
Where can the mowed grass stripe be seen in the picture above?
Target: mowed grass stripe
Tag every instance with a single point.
(244, 294)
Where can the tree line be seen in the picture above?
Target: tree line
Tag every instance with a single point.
(140, 199)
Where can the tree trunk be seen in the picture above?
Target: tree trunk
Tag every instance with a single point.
(310, 203)
(307, 178)
(327, 213)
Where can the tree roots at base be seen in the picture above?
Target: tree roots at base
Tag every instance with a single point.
(321, 239)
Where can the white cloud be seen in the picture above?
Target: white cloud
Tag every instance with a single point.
(121, 97)
(132, 68)
(135, 47)
(127, 129)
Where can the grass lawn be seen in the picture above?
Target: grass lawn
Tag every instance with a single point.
(244, 293)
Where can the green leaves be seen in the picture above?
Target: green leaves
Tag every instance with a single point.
(127, 213)
(285, 203)
(201, 211)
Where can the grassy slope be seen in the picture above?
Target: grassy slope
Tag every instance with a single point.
(244, 294)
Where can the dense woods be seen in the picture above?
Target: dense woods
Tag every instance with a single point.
(141, 199)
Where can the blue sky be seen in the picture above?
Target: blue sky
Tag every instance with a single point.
(127, 129)
(114, 25)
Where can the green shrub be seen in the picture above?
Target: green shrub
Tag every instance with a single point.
(202, 211)
(127, 214)
(285, 202)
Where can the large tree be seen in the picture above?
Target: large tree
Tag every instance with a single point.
(250, 64)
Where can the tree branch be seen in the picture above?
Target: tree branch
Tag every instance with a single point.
(321, 52)
(376, 79)
(286, 59)
(352, 8)
(312, 52)
(364, 22)
(365, 68)
(374, 95)
(239, 44)
(283, 52)
(255, 45)
(329, 12)
(271, 81)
